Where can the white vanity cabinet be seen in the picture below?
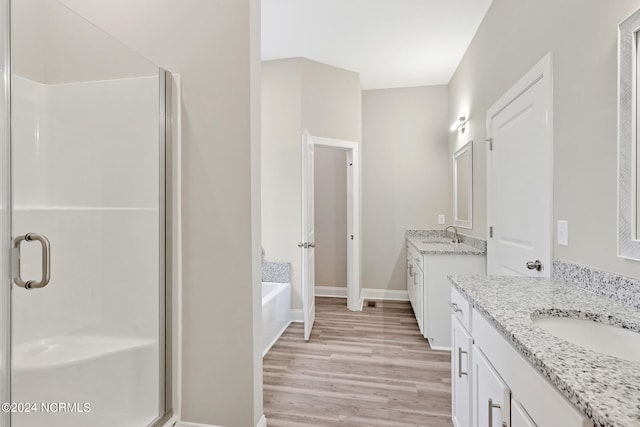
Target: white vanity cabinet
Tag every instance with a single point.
(415, 280)
(461, 347)
(502, 388)
(429, 290)
(491, 397)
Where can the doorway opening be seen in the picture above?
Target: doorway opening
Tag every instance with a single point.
(349, 151)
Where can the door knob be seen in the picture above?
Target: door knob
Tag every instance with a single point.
(312, 244)
(535, 265)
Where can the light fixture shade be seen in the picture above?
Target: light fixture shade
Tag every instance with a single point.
(459, 124)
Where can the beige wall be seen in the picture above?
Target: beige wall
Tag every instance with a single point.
(52, 44)
(331, 216)
(405, 175)
(281, 172)
(582, 36)
(298, 94)
(213, 45)
(332, 108)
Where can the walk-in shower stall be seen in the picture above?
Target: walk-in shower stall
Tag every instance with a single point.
(82, 224)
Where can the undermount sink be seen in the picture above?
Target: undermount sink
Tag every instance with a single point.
(600, 337)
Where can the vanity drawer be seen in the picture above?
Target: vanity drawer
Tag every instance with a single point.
(461, 308)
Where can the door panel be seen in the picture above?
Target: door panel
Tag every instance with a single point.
(461, 377)
(519, 181)
(88, 174)
(491, 396)
(520, 417)
(308, 235)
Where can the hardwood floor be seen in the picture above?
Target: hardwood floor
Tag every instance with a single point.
(369, 368)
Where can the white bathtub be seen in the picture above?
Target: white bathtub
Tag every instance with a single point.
(79, 369)
(276, 312)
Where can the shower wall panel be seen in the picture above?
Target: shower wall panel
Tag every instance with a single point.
(91, 186)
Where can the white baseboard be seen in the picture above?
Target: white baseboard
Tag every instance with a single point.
(172, 422)
(297, 315)
(184, 424)
(384, 294)
(331, 291)
(261, 423)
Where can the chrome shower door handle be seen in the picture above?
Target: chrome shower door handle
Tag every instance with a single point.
(46, 261)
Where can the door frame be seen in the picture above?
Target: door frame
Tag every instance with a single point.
(354, 186)
(541, 72)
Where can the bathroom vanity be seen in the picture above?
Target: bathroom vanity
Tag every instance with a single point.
(511, 365)
(431, 257)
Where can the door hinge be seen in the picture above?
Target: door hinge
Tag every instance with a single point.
(491, 232)
(490, 141)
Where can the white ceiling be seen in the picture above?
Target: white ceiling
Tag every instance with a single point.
(391, 43)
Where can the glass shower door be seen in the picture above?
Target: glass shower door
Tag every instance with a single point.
(87, 171)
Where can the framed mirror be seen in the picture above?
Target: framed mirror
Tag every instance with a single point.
(628, 144)
(463, 186)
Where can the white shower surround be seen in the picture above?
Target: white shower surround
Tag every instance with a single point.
(74, 170)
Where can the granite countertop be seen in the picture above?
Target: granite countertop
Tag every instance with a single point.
(439, 242)
(605, 388)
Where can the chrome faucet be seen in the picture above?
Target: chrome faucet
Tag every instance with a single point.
(456, 238)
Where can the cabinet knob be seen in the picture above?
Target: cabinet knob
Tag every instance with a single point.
(455, 307)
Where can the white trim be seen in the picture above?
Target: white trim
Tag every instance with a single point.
(275, 339)
(176, 369)
(184, 424)
(466, 148)
(262, 422)
(173, 421)
(297, 315)
(542, 71)
(354, 259)
(331, 291)
(385, 294)
(628, 169)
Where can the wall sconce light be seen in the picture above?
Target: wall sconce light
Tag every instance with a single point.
(459, 124)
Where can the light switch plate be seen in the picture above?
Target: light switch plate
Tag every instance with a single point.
(441, 219)
(563, 233)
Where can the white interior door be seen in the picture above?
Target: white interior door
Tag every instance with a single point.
(308, 244)
(519, 177)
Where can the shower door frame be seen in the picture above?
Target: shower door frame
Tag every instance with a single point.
(166, 229)
(5, 212)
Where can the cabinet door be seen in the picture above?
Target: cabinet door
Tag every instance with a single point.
(491, 396)
(410, 271)
(461, 343)
(519, 417)
(418, 298)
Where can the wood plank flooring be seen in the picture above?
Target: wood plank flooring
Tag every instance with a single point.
(369, 368)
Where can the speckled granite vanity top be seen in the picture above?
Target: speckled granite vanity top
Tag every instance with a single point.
(605, 388)
(439, 242)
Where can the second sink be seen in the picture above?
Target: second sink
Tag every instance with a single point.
(600, 337)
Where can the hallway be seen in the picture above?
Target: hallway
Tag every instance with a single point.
(369, 368)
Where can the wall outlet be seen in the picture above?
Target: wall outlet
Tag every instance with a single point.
(563, 233)
(441, 219)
